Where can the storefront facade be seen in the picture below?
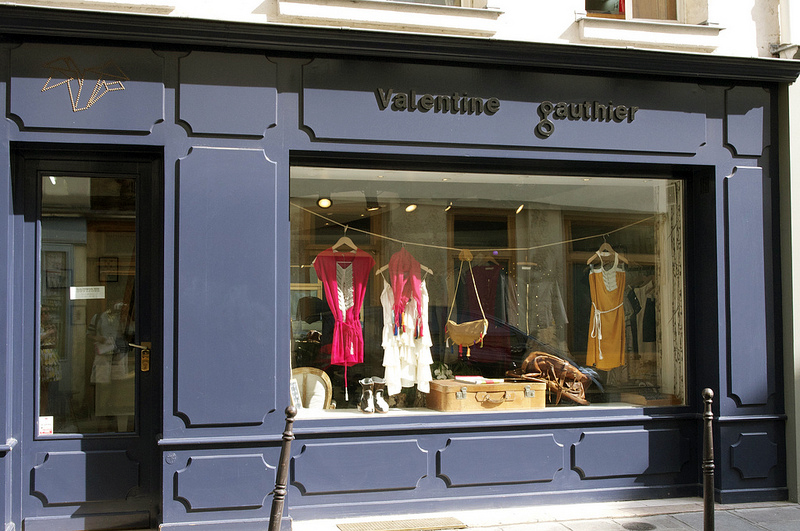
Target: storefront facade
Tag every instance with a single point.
(163, 235)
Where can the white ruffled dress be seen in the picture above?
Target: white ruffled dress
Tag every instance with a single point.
(407, 360)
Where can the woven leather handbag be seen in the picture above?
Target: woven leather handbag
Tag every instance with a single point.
(468, 333)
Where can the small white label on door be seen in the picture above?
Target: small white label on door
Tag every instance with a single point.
(87, 292)
(45, 425)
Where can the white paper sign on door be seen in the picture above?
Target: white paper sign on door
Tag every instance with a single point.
(45, 425)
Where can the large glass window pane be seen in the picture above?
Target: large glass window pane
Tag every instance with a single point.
(385, 263)
(88, 264)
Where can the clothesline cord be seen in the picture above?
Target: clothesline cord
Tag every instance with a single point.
(446, 248)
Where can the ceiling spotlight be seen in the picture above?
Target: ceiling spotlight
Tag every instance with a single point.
(449, 206)
(411, 208)
(324, 202)
(519, 208)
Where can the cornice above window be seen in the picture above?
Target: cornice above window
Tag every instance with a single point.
(389, 14)
(649, 34)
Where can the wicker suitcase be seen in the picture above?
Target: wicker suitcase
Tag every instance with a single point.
(453, 395)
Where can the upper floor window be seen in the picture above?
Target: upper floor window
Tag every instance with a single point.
(633, 9)
(453, 3)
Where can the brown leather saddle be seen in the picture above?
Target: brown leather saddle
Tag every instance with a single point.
(562, 378)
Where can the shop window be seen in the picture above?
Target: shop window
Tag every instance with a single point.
(585, 271)
(636, 9)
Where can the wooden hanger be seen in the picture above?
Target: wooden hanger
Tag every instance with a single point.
(384, 268)
(606, 248)
(345, 241)
(488, 258)
(427, 270)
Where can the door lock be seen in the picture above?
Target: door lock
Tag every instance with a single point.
(144, 363)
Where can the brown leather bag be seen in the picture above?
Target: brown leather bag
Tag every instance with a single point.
(466, 334)
(471, 332)
(562, 378)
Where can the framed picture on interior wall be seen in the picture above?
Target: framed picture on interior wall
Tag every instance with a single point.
(78, 315)
(108, 268)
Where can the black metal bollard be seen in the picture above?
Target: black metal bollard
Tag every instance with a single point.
(708, 462)
(282, 474)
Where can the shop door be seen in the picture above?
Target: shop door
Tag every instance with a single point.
(92, 359)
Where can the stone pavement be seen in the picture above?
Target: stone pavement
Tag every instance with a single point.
(645, 515)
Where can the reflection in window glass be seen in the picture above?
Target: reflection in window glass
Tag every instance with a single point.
(586, 269)
(640, 9)
(87, 320)
(609, 7)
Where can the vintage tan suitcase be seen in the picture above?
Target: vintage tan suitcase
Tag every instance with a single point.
(453, 395)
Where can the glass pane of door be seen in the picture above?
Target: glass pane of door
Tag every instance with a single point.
(87, 367)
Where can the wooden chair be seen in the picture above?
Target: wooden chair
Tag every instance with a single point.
(316, 390)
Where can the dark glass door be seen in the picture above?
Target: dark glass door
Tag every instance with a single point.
(94, 358)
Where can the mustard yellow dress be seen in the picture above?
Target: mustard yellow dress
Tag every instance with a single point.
(606, 347)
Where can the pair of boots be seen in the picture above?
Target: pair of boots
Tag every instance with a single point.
(372, 399)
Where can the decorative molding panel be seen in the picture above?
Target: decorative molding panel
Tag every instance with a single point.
(510, 459)
(401, 102)
(228, 94)
(597, 454)
(86, 88)
(754, 455)
(747, 305)
(226, 323)
(314, 472)
(746, 119)
(73, 478)
(224, 482)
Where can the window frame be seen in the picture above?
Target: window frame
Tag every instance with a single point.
(411, 163)
(628, 8)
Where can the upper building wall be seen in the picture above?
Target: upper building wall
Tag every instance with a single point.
(744, 28)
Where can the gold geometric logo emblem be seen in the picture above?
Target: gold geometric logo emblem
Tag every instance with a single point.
(108, 78)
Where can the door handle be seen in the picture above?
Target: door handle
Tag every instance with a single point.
(144, 363)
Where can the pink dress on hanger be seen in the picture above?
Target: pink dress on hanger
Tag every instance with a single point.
(344, 279)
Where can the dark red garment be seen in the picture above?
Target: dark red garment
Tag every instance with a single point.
(492, 287)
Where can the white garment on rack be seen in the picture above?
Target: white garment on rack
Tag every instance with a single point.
(407, 360)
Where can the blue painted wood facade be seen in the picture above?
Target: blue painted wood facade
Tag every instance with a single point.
(226, 125)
